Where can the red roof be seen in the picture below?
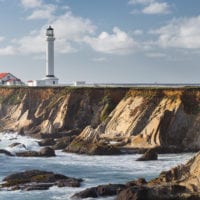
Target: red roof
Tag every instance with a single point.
(2, 75)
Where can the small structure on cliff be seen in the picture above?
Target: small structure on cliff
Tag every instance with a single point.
(50, 79)
(9, 79)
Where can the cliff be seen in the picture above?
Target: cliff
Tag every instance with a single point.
(125, 117)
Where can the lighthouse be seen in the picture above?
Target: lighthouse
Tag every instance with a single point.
(50, 78)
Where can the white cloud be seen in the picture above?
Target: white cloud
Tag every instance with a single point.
(180, 33)
(45, 12)
(156, 8)
(39, 9)
(117, 43)
(69, 29)
(150, 7)
(100, 59)
(137, 32)
(2, 39)
(71, 32)
(8, 50)
(31, 44)
(156, 55)
(143, 2)
(31, 3)
(72, 27)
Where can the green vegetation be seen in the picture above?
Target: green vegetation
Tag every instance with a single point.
(108, 106)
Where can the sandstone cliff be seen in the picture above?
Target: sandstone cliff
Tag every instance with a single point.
(129, 118)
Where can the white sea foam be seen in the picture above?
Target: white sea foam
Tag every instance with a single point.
(25, 143)
(95, 170)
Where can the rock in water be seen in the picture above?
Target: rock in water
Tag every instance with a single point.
(84, 147)
(38, 180)
(3, 151)
(44, 152)
(150, 154)
(181, 183)
(17, 144)
(99, 191)
(47, 142)
(47, 152)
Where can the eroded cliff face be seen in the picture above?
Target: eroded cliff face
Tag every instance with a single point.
(54, 110)
(149, 118)
(132, 118)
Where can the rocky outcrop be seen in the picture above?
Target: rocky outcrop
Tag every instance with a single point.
(47, 142)
(126, 117)
(38, 180)
(44, 152)
(150, 154)
(7, 153)
(99, 191)
(181, 183)
(83, 147)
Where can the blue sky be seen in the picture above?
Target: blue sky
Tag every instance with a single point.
(118, 41)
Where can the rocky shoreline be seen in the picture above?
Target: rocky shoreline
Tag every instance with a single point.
(110, 121)
(179, 183)
(37, 180)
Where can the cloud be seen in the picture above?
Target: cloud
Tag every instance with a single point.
(2, 38)
(69, 30)
(7, 51)
(100, 59)
(143, 2)
(180, 33)
(137, 32)
(150, 7)
(116, 43)
(31, 3)
(39, 9)
(156, 55)
(156, 8)
(45, 12)
(70, 27)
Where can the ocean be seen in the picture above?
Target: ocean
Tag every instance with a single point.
(95, 170)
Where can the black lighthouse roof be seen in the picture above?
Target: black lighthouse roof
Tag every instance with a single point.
(50, 28)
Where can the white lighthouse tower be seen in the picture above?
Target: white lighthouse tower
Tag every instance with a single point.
(50, 78)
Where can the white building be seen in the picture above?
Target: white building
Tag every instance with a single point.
(9, 79)
(79, 83)
(50, 79)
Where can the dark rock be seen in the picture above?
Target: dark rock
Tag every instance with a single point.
(140, 181)
(28, 154)
(17, 144)
(100, 191)
(151, 154)
(38, 180)
(47, 152)
(3, 151)
(43, 186)
(47, 142)
(84, 147)
(44, 152)
(134, 193)
(63, 142)
(69, 183)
